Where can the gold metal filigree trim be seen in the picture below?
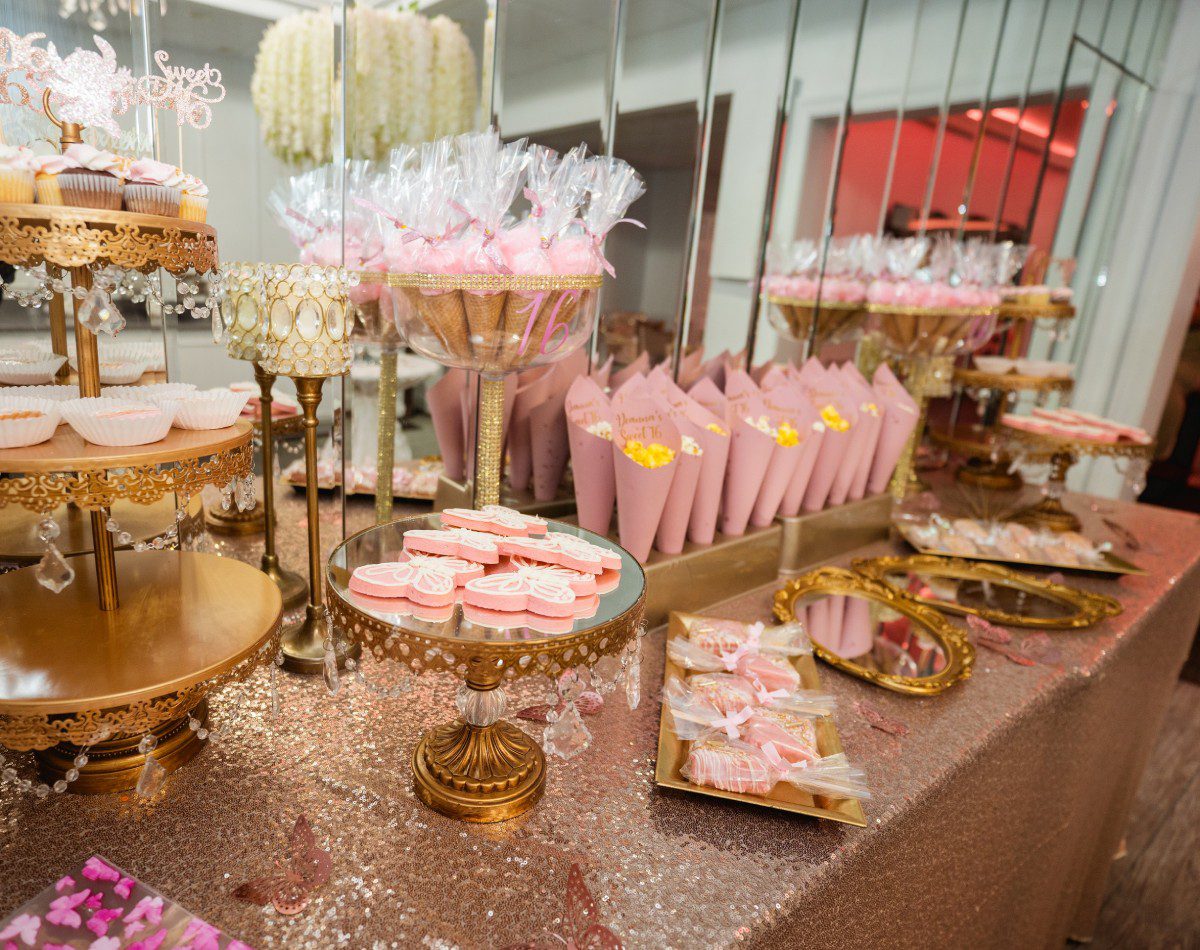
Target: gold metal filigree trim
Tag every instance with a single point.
(897, 311)
(833, 581)
(79, 237)
(143, 484)
(1088, 608)
(812, 304)
(1060, 445)
(1012, 382)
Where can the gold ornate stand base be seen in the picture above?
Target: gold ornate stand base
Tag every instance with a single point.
(993, 476)
(292, 586)
(234, 522)
(116, 765)
(479, 773)
(1048, 513)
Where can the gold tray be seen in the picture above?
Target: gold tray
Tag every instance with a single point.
(1112, 564)
(672, 753)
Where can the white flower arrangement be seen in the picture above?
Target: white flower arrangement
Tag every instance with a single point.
(414, 81)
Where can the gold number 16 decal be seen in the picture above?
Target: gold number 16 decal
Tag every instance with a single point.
(551, 341)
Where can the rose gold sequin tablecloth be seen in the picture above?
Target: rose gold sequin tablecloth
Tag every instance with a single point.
(993, 824)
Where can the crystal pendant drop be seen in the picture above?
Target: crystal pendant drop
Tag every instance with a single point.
(633, 678)
(333, 681)
(53, 572)
(100, 314)
(567, 735)
(153, 776)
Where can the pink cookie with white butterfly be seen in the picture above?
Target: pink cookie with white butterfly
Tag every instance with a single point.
(462, 569)
(455, 542)
(582, 582)
(423, 582)
(512, 619)
(397, 607)
(496, 519)
(516, 591)
(565, 549)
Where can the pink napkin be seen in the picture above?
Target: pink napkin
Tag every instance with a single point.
(591, 455)
(641, 492)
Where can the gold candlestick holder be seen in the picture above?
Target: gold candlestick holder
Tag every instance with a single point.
(291, 584)
(306, 337)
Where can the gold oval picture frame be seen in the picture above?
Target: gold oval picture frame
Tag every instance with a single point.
(1086, 609)
(835, 581)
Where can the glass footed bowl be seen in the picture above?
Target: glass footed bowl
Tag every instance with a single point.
(925, 332)
(493, 323)
(836, 320)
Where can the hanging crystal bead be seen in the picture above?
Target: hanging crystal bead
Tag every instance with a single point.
(53, 572)
(153, 776)
(567, 735)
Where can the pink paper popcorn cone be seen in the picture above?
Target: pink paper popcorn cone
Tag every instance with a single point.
(550, 447)
(632, 385)
(770, 375)
(639, 367)
(750, 453)
(871, 415)
(591, 454)
(742, 396)
(532, 388)
(863, 435)
(714, 369)
(899, 420)
(641, 491)
(793, 497)
(812, 373)
(818, 625)
(602, 374)
(706, 393)
(837, 612)
(786, 406)
(689, 368)
(834, 447)
(857, 639)
(444, 399)
(673, 526)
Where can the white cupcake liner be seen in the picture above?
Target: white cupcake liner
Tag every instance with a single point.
(994, 364)
(132, 351)
(18, 433)
(211, 409)
(1051, 368)
(145, 198)
(91, 191)
(152, 392)
(53, 393)
(82, 415)
(15, 373)
(120, 372)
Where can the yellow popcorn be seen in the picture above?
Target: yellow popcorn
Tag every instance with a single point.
(690, 446)
(713, 427)
(654, 455)
(787, 435)
(833, 419)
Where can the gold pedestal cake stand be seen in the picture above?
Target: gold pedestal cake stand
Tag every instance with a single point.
(813, 323)
(986, 462)
(1065, 452)
(77, 677)
(478, 767)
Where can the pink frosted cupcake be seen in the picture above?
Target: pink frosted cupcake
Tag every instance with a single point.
(153, 188)
(193, 204)
(16, 174)
(96, 182)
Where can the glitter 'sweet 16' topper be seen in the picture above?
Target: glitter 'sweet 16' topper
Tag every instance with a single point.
(91, 89)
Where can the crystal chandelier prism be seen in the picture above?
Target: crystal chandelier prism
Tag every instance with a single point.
(98, 11)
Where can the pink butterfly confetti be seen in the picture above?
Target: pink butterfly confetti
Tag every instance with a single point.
(98, 924)
(1040, 647)
(62, 909)
(581, 929)
(305, 868)
(97, 870)
(985, 629)
(877, 719)
(23, 927)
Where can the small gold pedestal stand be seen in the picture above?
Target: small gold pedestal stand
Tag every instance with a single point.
(1064, 452)
(986, 463)
(307, 339)
(814, 323)
(478, 767)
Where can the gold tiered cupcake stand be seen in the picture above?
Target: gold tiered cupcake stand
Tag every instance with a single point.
(99, 666)
(477, 767)
(986, 463)
(1064, 452)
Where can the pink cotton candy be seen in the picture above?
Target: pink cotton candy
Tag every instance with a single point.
(573, 254)
(439, 258)
(533, 260)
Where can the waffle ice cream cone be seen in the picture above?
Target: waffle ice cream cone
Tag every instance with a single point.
(444, 315)
(485, 321)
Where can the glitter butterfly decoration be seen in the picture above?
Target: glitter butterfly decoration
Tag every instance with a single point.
(305, 868)
(521, 591)
(877, 719)
(582, 929)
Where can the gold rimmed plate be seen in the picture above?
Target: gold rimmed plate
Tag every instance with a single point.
(672, 751)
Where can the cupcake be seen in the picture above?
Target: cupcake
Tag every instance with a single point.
(16, 174)
(46, 169)
(193, 203)
(153, 188)
(96, 183)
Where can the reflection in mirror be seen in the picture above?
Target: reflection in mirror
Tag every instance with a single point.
(992, 591)
(870, 630)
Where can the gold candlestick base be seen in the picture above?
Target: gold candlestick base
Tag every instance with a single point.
(116, 765)
(479, 773)
(235, 522)
(303, 644)
(1048, 513)
(292, 586)
(993, 476)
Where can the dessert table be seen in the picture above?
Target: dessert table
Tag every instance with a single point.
(994, 821)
